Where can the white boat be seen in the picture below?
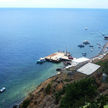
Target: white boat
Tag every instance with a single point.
(2, 89)
(91, 49)
(86, 42)
(41, 60)
(58, 73)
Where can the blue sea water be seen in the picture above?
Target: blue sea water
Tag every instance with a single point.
(28, 34)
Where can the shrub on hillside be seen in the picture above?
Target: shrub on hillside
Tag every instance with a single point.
(78, 93)
(48, 89)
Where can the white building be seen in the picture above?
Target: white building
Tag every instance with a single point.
(75, 61)
(88, 68)
(80, 60)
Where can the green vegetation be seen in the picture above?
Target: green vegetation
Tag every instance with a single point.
(79, 93)
(67, 80)
(106, 106)
(58, 95)
(48, 89)
(104, 65)
(98, 103)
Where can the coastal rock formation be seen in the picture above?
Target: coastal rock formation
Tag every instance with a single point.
(44, 95)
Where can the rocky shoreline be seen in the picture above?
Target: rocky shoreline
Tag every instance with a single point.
(39, 97)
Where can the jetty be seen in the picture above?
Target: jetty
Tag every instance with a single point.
(58, 57)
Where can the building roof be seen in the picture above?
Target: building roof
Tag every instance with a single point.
(75, 61)
(88, 68)
(82, 59)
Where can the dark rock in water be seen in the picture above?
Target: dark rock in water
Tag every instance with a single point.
(58, 69)
(16, 106)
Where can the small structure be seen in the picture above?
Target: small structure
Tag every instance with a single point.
(78, 61)
(88, 68)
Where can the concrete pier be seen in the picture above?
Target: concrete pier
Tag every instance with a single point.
(57, 57)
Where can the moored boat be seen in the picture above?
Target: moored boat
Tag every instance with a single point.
(41, 60)
(70, 57)
(106, 37)
(86, 42)
(99, 46)
(81, 46)
(2, 89)
(91, 46)
(91, 49)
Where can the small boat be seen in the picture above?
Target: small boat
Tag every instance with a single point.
(91, 46)
(58, 73)
(84, 54)
(91, 49)
(106, 37)
(41, 60)
(99, 46)
(81, 46)
(86, 42)
(86, 28)
(70, 57)
(2, 89)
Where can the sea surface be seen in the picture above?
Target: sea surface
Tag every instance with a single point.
(28, 34)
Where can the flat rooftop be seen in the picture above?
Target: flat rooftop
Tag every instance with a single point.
(88, 68)
(76, 61)
(79, 60)
(56, 55)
